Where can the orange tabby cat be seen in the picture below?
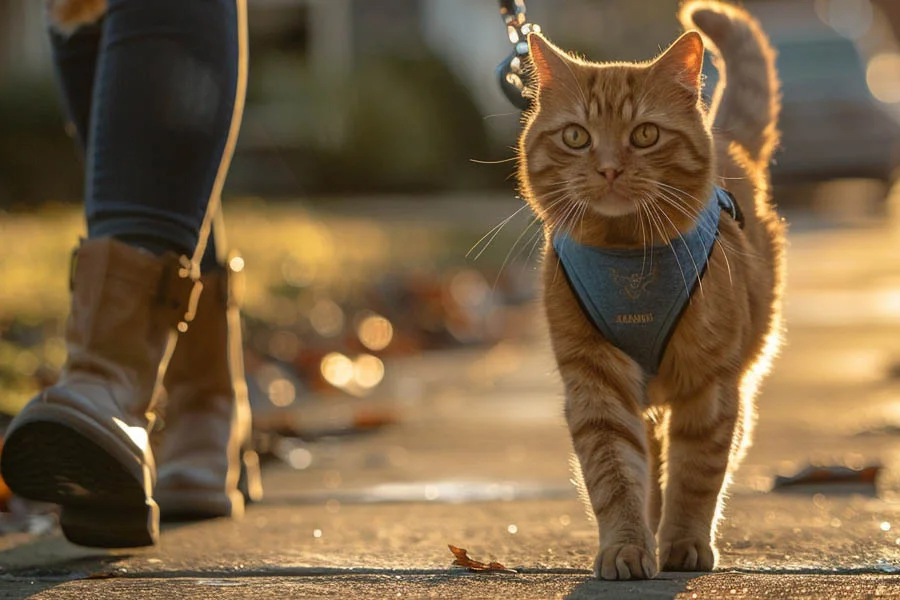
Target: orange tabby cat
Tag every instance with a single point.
(626, 156)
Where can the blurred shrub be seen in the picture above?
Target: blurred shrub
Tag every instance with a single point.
(413, 126)
(400, 124)
(37, 158)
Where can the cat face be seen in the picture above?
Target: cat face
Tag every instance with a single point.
(609, 141)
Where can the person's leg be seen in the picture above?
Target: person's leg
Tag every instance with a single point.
(200, 465)
(163, 120)
(75, 60)
(167, 96)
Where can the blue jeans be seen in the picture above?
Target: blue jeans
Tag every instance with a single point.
(152, 92)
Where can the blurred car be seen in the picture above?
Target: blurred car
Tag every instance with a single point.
(832, 126)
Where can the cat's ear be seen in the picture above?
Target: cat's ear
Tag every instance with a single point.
(550, 63)
(683, 61)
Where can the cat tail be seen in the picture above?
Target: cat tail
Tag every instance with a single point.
(68, 15)
(747, 101)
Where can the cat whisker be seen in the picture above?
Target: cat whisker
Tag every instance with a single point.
(672, 201)
(564, 197)
(716, 240)
(679, 203)
(494, 116)
(491, 235)
(655, 210)
(584, 209)
(563, 224)
(532, 242)
(493, 162)
(493, 232)
(678, 190)
(683, 241)
(640, 216)
(537, 239)
(684, 209)
(509, 254)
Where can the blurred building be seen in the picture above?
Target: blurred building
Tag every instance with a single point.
(23, 47)
(398, 95)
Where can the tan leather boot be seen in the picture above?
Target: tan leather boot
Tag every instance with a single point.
(206, 466)
(83, 443)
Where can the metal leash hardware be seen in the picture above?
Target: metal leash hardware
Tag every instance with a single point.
(511, 72)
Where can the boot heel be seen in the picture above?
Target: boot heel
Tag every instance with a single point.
(111, 526)
(250, 482)
(55, 454)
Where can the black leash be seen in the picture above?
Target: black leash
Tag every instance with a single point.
(511, 72)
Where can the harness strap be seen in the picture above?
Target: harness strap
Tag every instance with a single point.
(636, 298)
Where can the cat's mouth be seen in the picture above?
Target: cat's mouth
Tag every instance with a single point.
(612, 203)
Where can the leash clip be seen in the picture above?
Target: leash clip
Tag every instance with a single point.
(511, 72)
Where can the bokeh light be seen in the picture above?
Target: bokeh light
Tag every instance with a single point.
(284, 345)
(368, 371)
(337, 369)
(236, 264)
(327, 318)
(883, 77)
(469, 288)
(375, 332)
(282, 393)
(300, 458)
(851, 18)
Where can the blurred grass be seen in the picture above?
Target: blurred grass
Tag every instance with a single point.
(286, 247)
(278, 242)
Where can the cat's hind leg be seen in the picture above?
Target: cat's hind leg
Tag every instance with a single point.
(700, 438)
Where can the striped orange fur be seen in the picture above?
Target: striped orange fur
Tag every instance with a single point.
(69, 15)
(656, 455)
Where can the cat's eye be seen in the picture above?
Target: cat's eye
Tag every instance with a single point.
(576, 137)
(645, 135)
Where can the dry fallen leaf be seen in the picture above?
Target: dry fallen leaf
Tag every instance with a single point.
(462, 559)
(5, 492)
(829, 476)
(101, 575)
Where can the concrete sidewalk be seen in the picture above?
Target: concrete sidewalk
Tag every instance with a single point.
(480, 461)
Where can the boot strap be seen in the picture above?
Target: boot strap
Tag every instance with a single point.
(179, 291)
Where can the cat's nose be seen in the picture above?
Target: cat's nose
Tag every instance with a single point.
(611, 174)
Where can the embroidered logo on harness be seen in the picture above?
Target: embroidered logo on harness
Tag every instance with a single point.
(635, 319)
(634, 285)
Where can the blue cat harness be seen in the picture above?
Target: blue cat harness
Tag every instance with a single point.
(636, 297)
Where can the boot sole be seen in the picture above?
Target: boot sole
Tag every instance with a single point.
(55, 454)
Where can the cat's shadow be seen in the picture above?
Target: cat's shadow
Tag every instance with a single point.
(666, 586)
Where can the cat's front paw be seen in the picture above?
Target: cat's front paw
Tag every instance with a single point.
(625, 561)
(688, 554)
